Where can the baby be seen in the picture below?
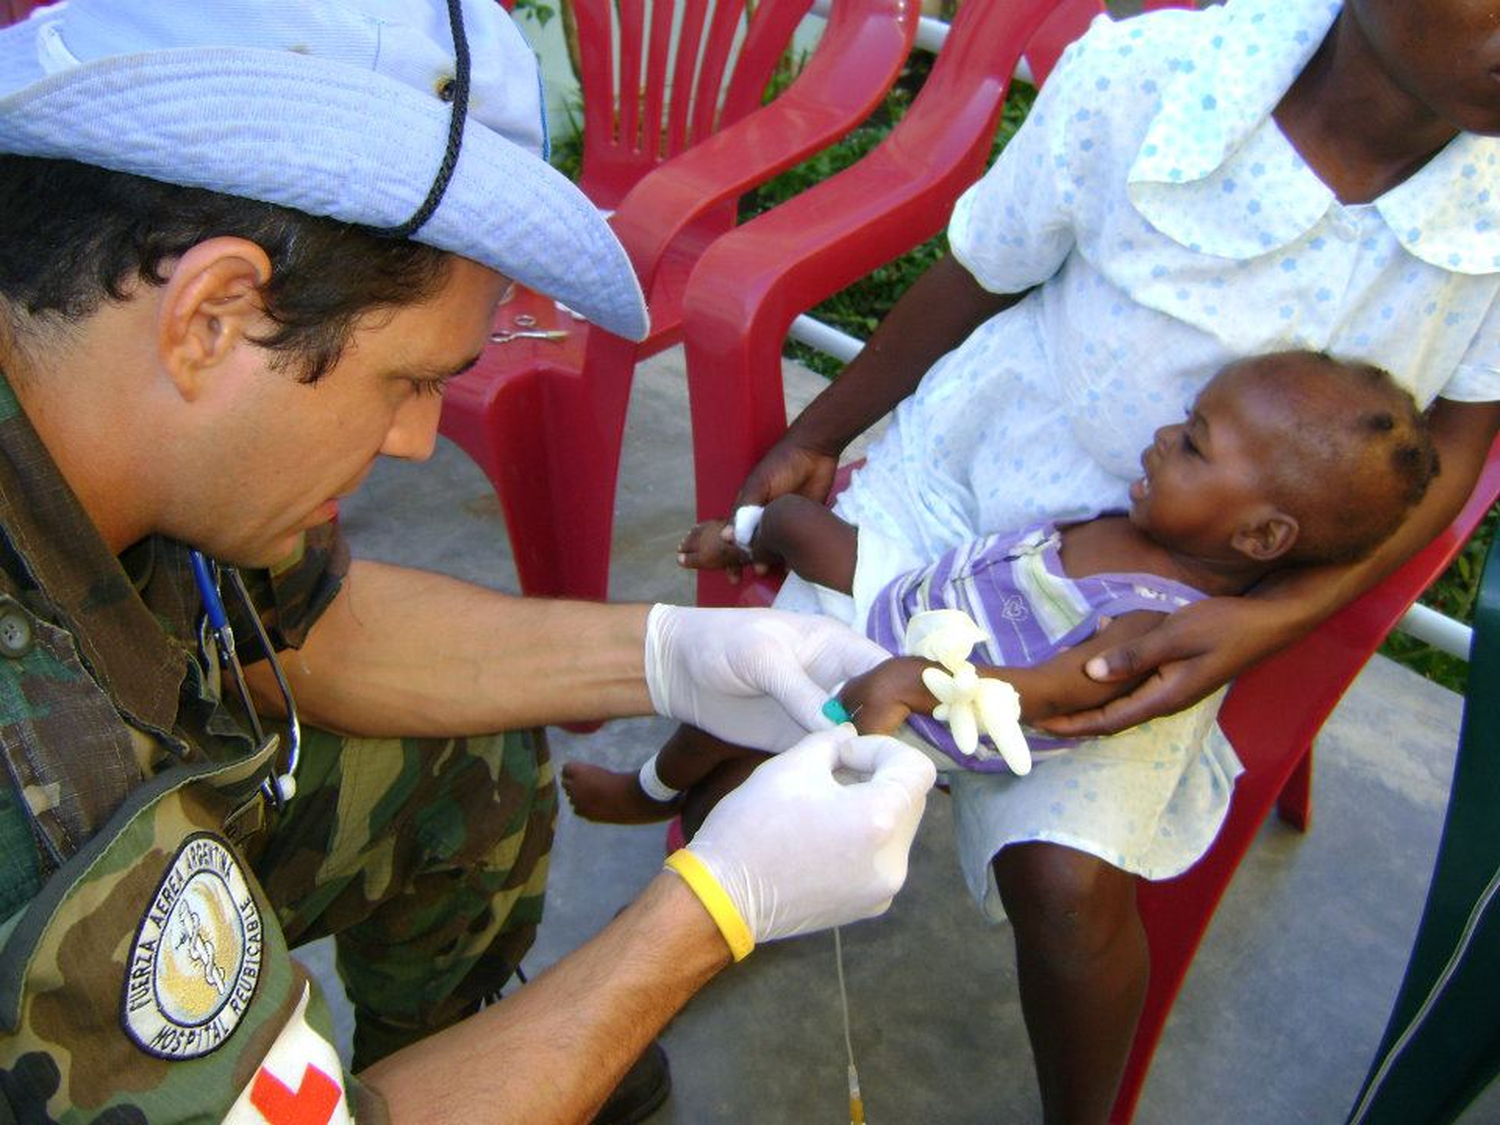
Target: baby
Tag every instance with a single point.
(1288, 459)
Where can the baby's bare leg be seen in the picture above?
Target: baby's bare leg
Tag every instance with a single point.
(812, 541)
(793, 531)
(699, 801)
(618, 797)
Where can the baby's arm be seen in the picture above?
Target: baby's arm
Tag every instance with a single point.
(880, 700)
(794, 531)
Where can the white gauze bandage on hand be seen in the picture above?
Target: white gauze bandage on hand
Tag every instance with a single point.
(755, 677)
(792, 850)
(967, 701)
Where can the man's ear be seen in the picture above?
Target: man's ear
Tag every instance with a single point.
(210, 302)
(1269, 538)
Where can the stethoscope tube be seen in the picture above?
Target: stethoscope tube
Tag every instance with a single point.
(281, 786)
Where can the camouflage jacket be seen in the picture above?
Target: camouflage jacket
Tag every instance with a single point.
(143, 976)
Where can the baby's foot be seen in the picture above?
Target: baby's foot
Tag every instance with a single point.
(711, 546)
(611, 797)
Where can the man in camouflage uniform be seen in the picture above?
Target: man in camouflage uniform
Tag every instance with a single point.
(180, 365)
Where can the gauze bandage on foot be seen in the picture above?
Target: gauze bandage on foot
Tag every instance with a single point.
(746, 524)
(652, 784)
(967, 701)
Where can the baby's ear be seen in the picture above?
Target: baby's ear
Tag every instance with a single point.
(1268, 539)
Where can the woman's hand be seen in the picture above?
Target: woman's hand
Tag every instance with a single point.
(790, 466)
(931, 318)
(1187, 656)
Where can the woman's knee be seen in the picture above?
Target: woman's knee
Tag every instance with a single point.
(1062, 899)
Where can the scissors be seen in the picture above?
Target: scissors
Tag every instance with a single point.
(280, 787)
(508, 335)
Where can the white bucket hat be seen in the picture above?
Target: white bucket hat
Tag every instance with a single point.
(352, 109)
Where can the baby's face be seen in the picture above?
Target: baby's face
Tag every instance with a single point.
(1202, 476)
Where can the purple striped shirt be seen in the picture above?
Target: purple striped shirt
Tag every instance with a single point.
(1012, 584)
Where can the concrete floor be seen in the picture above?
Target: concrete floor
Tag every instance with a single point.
(1278, 1018)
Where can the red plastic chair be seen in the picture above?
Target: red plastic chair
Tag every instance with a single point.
(751, 284)
(544, 418)
(1271, 715)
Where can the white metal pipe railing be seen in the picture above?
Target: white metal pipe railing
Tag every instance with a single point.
(1422, 622)
(825, 338)
(1441, 632)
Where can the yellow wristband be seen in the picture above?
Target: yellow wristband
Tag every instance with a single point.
(714, 899)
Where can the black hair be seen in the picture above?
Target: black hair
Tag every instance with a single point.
(1358, 458)
(73, 236)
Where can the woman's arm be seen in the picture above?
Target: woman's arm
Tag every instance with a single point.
(932, 318)
(1202, 647)
(881, 699)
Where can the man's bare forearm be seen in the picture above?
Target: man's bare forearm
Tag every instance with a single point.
(405, 652)
(932, 318)
(553, 1050)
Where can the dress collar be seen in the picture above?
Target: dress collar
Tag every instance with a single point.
(1214, 137)
(1448, 214)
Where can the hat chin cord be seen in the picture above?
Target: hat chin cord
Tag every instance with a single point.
(459, 89)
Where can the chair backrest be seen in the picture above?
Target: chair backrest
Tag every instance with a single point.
(954, 116)
(658, 77)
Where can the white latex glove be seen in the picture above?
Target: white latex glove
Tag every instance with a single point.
(754, 677)
(966, 700)
(792, 850)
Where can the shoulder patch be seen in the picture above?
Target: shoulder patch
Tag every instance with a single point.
(195, 962)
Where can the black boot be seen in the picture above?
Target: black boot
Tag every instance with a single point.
(640, 1093)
